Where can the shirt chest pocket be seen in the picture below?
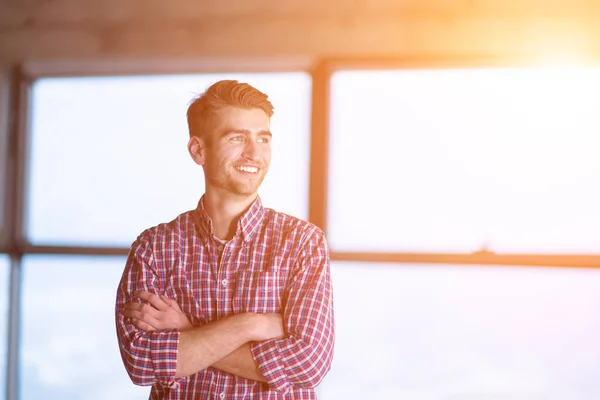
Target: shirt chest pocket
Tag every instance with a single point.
(258, 292)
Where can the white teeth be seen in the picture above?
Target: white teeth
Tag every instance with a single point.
(251, 170)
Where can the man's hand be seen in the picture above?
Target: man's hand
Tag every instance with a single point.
(160, 313)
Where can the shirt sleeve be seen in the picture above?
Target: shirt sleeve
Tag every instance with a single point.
(148, 357)
(304, 357)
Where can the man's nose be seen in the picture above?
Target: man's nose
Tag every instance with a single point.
(250, 150)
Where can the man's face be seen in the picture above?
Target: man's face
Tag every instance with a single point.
(237, 152)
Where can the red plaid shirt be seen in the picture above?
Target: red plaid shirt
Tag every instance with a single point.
(274, 264)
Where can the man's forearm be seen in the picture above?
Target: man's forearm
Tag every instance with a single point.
(201, 347)
(240, 363)
(205, 345)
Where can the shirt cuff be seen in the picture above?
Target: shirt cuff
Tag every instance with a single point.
(267, 357)
(163, 348)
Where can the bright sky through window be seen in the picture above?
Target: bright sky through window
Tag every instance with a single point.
(420, 160)
(458, 160)
(111, 149)
(108, 158)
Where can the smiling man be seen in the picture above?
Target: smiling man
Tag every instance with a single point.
(230, 300)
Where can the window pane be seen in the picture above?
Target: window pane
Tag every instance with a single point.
(4, 277)
(69, 345)
(464, 332)
(454, 160)
(109, 155)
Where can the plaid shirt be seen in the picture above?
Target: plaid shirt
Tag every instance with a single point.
(275, 263)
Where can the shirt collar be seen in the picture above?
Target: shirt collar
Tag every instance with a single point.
(248, 223)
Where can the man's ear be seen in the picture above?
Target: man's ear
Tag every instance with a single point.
(197, 150)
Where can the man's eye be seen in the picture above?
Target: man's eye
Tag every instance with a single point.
(263, 140)
(237, 138)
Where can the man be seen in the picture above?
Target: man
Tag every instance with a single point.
(230, 300)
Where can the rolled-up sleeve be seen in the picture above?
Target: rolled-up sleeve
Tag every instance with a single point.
(148, 357)
(304, 357)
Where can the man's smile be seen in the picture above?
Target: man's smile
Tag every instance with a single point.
(247, 168)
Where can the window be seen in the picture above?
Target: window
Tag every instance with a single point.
(107, 159)
(69, 346)
(459, 160)
(109, 155)
(455, 161)
(419, 161)
(460, 332)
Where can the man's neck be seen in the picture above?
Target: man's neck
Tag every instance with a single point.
(225, 211)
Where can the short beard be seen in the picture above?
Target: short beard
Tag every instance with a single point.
(232, 186)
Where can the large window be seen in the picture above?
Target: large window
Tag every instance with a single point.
(427, 162)
(109, 155)
(460, 160)
(69, 346)
(440, 163)
(408, 331)
(107, 158)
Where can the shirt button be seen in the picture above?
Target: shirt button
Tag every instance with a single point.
(222, 395)
(224, 283)
(220, 248)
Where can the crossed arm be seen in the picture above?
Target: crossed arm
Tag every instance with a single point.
(223, 344)
(159, 345)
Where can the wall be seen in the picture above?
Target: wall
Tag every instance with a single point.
(108, 29)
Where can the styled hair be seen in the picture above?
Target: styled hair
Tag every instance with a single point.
(202, 109)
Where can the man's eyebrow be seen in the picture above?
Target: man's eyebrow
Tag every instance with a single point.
(264, 132)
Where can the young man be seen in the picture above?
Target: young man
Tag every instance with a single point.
(230, 300)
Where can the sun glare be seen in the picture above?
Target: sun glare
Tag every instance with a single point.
(562, 64)
(571, 58)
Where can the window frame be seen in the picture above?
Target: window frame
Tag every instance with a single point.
(21, 79)
(318, 203)
(13, 192)
(5, 91)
